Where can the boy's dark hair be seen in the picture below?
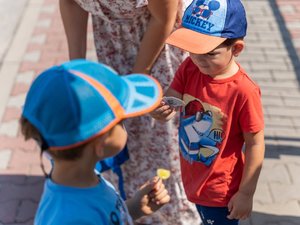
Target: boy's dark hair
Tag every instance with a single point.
(30, 132)
(230, 41)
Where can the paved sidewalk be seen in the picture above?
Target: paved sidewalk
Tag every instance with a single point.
(9, 21)
(271, 58)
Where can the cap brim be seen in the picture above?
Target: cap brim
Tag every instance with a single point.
(194, 42)
(144, 94)
(141, 93)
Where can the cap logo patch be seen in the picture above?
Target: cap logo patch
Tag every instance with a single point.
(205, 10)
(205, 16)
(198, 22)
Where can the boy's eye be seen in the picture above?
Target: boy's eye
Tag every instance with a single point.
(212, 53)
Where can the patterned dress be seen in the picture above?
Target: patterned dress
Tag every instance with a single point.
(118, 29)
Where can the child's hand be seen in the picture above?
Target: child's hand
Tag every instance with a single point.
(152, 196)
(163, 112)
(240, 206)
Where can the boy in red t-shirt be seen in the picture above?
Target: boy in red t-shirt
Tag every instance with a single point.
(222, 112)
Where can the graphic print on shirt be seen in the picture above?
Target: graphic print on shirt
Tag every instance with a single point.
(200, 131)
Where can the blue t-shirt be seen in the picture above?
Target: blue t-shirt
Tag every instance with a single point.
(98, 205)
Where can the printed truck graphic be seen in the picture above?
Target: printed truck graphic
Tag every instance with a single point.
(198, 141)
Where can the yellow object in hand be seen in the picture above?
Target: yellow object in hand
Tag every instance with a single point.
(163, 173)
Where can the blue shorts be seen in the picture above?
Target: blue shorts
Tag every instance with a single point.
(215, 215)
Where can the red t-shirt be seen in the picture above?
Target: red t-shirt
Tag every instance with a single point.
(216, 114)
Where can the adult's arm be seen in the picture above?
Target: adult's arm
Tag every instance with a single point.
(75, 21)
(163, 17)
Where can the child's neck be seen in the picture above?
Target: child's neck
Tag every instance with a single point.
(74, 174)
(229, 71)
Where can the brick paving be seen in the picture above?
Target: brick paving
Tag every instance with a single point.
(21, 179)
(271, 58)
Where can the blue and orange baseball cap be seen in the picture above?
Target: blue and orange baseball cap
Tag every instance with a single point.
(208, 23)
(71, 103)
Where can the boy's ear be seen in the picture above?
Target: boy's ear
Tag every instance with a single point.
(238, 47)
(98, 145)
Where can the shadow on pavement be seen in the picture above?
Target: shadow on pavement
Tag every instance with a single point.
(287, 38)
(274, 151)
(19, 197)
(258, 218)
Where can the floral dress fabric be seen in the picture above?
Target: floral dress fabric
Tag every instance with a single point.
(118, 29)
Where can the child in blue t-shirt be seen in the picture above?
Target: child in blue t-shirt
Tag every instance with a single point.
(74, 111)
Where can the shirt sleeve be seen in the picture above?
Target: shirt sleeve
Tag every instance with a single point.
(179, 80)
(251, 116)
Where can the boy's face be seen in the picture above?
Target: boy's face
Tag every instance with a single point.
(215, 62)
(115, 140)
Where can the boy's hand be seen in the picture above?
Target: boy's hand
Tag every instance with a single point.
(152, 196)
(240, 206)
(163, 112)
